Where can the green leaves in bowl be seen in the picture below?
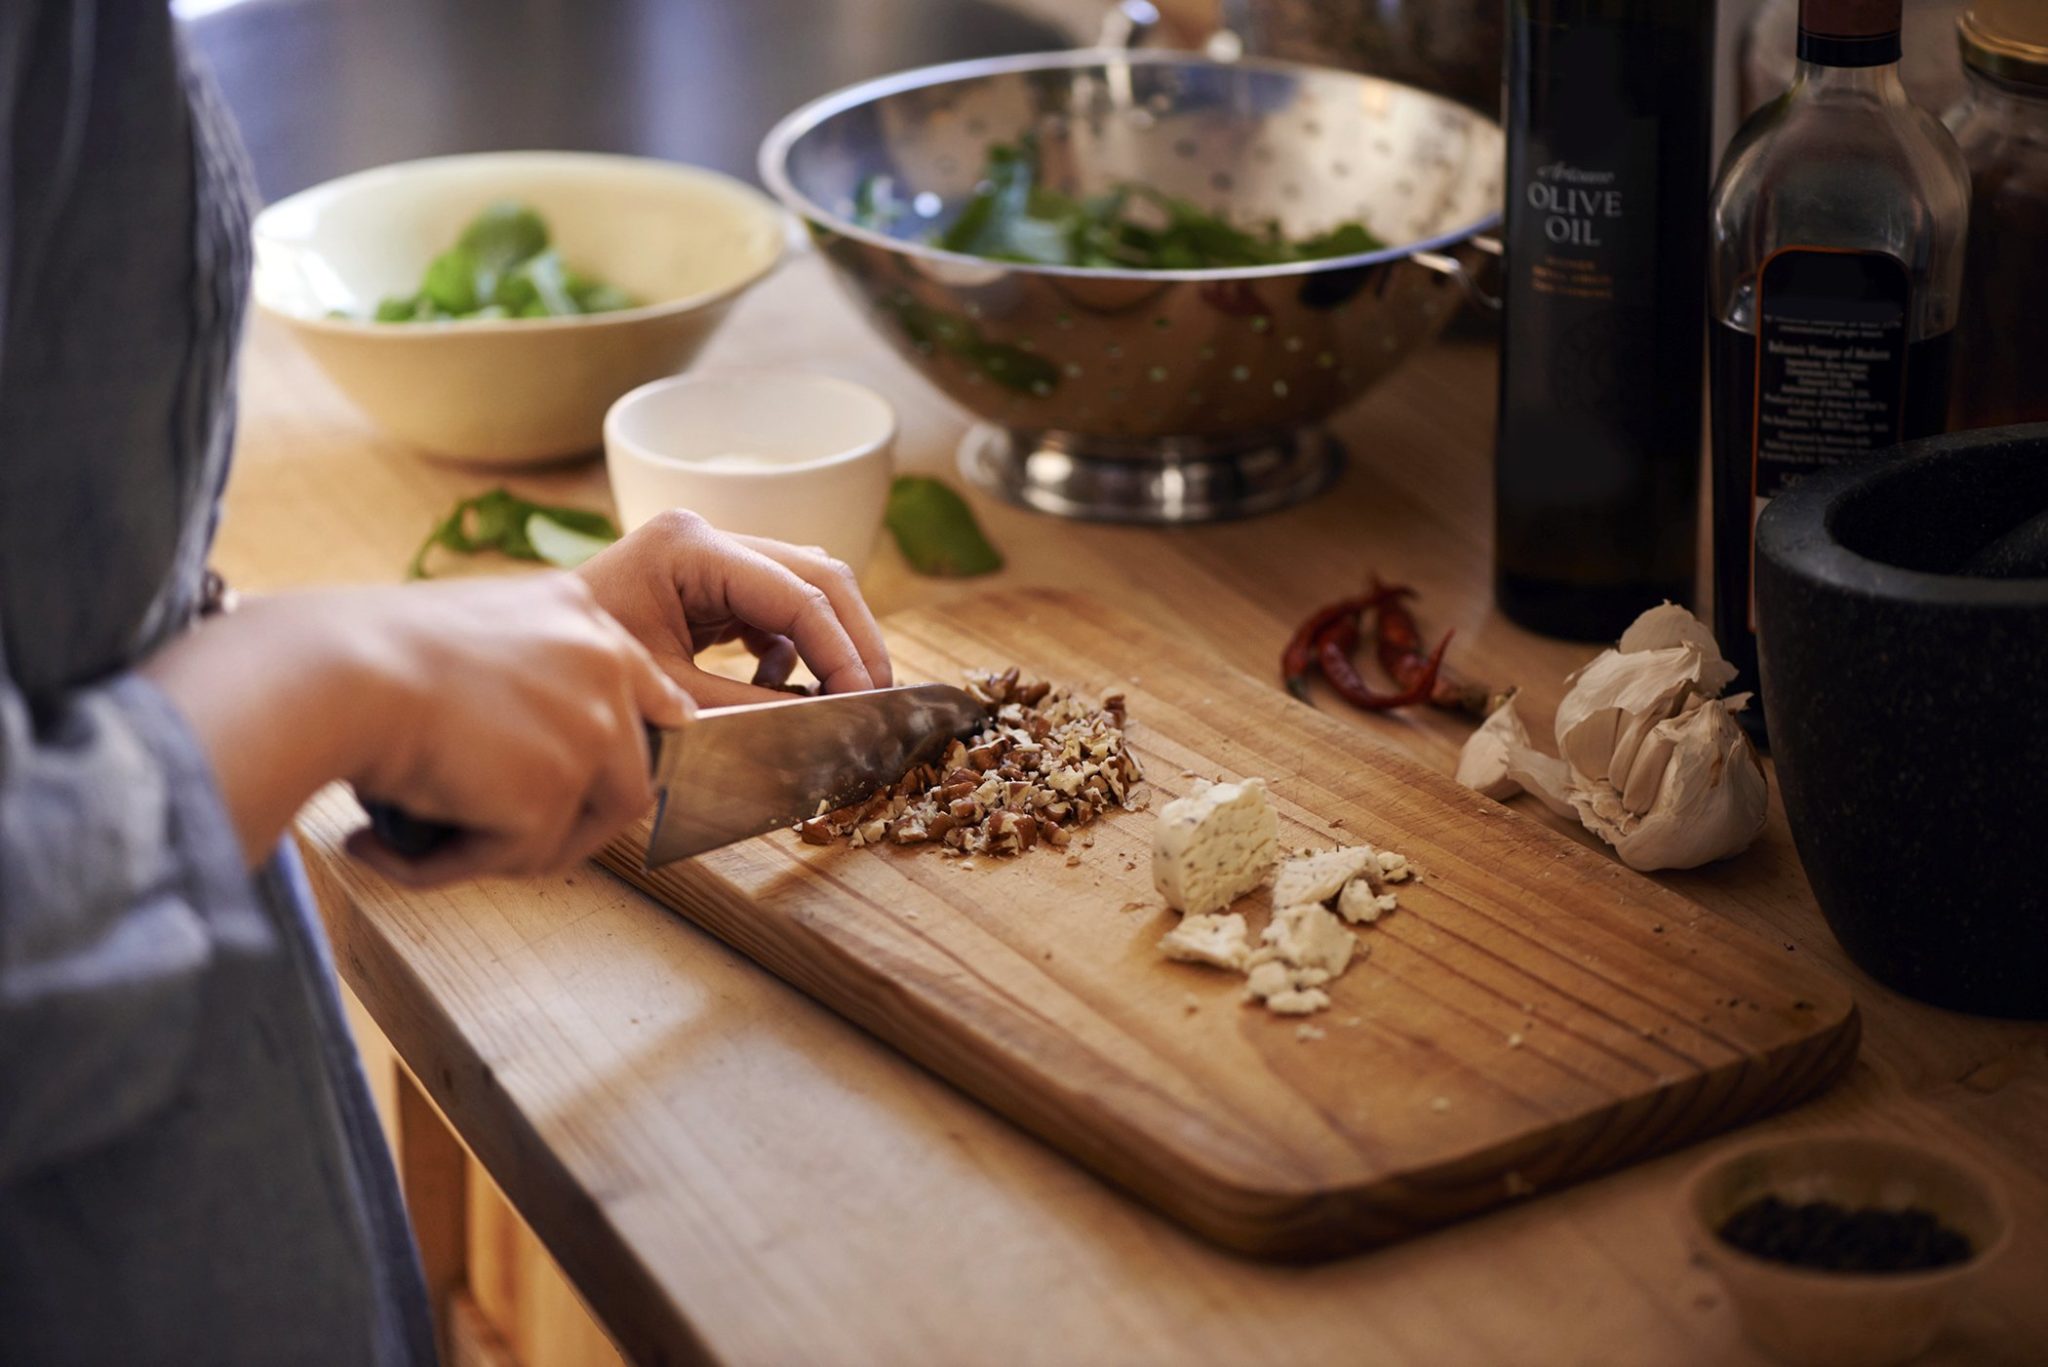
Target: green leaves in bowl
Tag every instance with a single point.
(1013, 215)
(503, 522)
(502, 267)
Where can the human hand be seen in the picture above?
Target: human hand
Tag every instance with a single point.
(680, 585)
(511, 709)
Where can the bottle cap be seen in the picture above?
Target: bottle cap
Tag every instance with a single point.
(1849, 32)
(2006, 40)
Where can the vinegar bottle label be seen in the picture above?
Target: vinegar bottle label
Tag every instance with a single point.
(1831, 361)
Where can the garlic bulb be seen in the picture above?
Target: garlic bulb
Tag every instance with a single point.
(1650, 756)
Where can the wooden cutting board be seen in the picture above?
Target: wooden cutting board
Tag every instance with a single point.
(1533, 1013)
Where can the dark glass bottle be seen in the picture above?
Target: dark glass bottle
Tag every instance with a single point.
(1597, 460)
(1837, 254)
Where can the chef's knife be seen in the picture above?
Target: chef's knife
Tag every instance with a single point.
(734, 772)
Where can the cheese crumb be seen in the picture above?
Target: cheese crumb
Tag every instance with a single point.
(1309, 937)
(1306, 1032)
(1319, 877)
(1214, 846)
(1360, 905)
(1301, 1003)
(1221, 941)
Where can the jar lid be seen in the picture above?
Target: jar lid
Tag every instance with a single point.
(2006, 39)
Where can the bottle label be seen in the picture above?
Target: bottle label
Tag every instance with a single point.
(1582, 269)
(1831, 356)
(1585, 184)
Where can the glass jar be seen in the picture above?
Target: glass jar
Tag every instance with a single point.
(2001, 345)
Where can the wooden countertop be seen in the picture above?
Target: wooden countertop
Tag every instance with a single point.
(728, 1171)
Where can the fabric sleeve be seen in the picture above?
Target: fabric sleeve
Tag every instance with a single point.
(121, 883)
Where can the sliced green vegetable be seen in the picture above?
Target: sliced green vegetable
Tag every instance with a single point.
(503, 522)
(560, 544)
(936, 530)
(502, 267)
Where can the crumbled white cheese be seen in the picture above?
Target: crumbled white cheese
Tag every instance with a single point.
(1319, 877)
(1360, 905)
(1214, 846)
(1219, 940)
(1266, 979)
(1309, 937)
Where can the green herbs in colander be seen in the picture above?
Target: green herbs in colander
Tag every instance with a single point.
(1014, 216)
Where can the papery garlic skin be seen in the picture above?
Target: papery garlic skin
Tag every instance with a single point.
(1483, 763)
(1651, 759)
(1613, 702)
(1671, 625)
(1712, 801)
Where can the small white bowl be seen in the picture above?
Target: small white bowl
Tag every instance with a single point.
(797, 457)
(511, 391)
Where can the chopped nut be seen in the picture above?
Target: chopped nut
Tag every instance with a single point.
(1044, 766)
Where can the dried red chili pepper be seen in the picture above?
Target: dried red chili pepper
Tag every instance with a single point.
(1399, 649)
(1299, 658)
(1334, 647)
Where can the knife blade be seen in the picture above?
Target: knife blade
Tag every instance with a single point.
(735, 772)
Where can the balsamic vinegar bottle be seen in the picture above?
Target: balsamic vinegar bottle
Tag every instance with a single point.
(1838, 225)
(1596, 473)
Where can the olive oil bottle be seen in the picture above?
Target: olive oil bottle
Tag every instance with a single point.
(1597, 463)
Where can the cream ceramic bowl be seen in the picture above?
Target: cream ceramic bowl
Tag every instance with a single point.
(800, 458)
(511, 391)
(1810, 1318)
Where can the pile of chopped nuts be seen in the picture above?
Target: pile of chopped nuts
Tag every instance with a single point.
(1045, 765)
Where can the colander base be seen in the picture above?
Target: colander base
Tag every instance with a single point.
(1175, 481)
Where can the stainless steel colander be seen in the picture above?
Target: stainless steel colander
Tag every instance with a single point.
(1152, 396)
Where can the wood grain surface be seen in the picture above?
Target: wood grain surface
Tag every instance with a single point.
(1533, 1013)
(729, 1172)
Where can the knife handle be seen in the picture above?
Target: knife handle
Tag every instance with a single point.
(408, 836)
(411, 837)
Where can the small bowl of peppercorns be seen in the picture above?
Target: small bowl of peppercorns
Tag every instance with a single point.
(1844, 1250)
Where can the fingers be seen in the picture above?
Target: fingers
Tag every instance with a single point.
(771, 597)
(653, 695)
(775, 658)
(622, 791)
(715, 690)
(836, 581)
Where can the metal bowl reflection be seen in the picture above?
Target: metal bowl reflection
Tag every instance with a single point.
(1152, 396)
